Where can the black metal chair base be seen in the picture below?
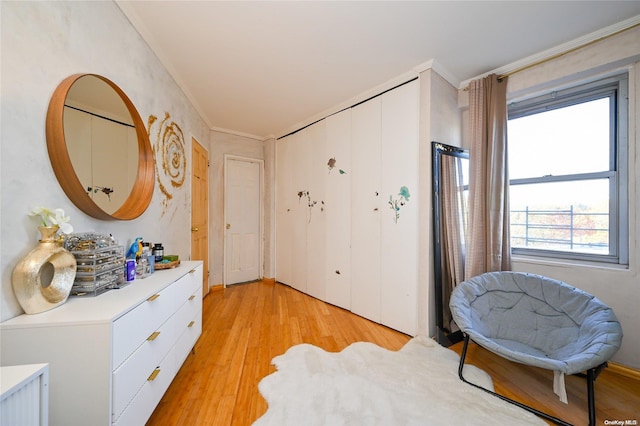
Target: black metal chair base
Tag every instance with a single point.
(590, 376)
(446, 338)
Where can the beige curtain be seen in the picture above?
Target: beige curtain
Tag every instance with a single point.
(488, 248)
(453, 228)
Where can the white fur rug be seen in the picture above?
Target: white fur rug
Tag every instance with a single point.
(368, 385)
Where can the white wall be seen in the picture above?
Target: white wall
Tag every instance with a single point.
(269, 209)
(618, 287)
(439, 121)
(42, 43)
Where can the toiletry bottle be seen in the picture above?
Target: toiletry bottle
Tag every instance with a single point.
(158, 252)
(131, 269)
(141, 266)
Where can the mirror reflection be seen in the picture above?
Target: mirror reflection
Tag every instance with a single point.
(450, 217)
(101, 141)
(99, 148)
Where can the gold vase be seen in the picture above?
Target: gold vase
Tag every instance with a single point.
(43, 279)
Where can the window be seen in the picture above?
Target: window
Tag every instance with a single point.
(568, 173)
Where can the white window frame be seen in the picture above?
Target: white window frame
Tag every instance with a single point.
(615, 87)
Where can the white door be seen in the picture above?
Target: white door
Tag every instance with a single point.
(315, 206)
(366, 203)
(337, 209)
(300, 156)
(399, 238)
(286, 201)
(243, 255)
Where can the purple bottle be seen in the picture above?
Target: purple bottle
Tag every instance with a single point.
(131, 269)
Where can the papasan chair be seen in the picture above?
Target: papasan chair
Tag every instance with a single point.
(537, 321)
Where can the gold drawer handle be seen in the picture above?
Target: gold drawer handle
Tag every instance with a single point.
(153, 375)
(191, 324)
(153, 336)
(193, 296)
(152, 298)
(192, 271)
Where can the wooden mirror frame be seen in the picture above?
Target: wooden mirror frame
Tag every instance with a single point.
(140, 196)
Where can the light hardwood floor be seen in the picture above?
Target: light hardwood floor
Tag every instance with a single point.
(245, 326)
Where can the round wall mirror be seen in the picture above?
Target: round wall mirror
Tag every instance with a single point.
(99, 148)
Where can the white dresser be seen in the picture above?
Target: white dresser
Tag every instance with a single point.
(24, 395)
(112, 357)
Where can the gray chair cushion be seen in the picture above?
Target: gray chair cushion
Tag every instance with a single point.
(536, 320)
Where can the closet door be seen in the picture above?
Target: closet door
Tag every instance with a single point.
(337, 209)
(299, 164)
(285, 205)
(314, 202)
(399, 234)
(365, 209)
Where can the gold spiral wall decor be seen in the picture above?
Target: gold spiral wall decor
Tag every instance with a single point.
(169, 149)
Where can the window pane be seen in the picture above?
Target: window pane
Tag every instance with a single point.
(566, 216)
(569, 140)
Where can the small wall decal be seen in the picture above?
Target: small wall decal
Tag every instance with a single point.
(331, 164)
(399, 202)
(310, 203)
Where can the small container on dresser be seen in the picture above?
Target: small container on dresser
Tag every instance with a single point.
(98, 270)
(100, 263)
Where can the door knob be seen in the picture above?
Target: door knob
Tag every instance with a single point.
(194, 229)
(228, 226)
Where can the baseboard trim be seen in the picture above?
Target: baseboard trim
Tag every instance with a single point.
(625, 371)
(269, 280)
(216, 287)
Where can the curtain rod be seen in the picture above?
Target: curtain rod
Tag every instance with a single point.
(349, 107)
(558, 55)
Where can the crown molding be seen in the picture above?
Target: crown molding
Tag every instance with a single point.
(440, 69)
(559, 50)
(241, 134)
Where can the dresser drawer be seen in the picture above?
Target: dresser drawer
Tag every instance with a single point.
(133, 372)
(192, 303)
(188, 285)
(145, 401)
(190, 334)
(133, 328)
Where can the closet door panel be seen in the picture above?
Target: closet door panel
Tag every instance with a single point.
(365, 209)
(316, 218)
(300, 156)
(399, 234)
(337, 209)
(285, 202)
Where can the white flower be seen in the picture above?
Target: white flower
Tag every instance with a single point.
(53, 217)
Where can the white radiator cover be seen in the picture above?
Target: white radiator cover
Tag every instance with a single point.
(24, 396)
